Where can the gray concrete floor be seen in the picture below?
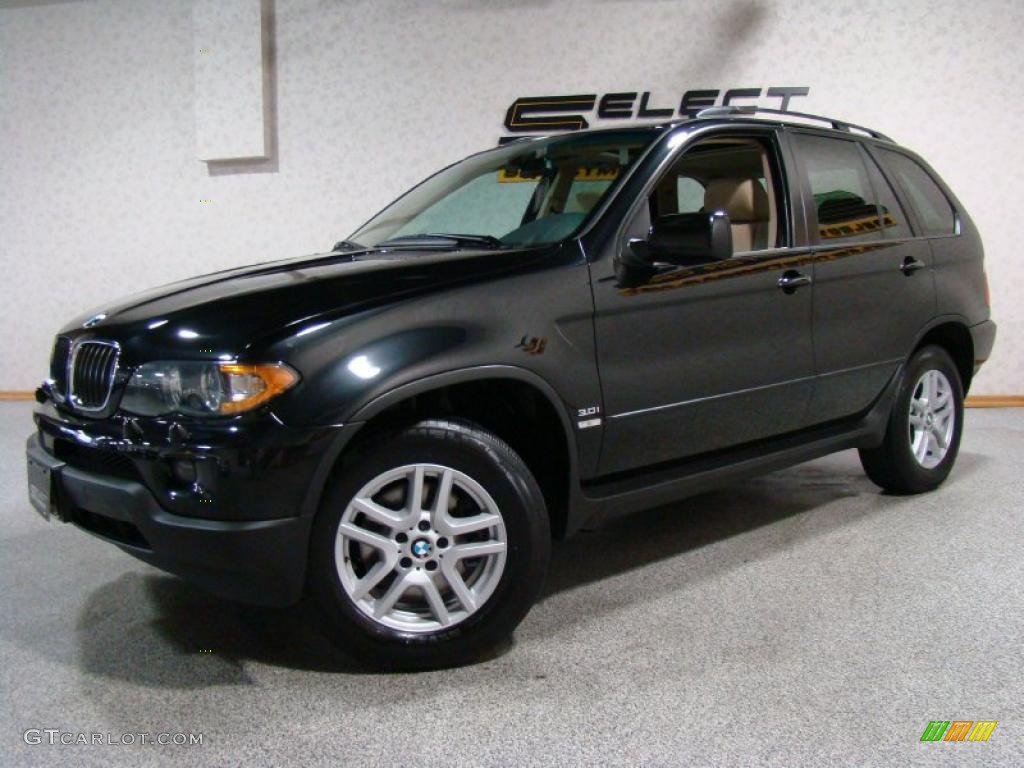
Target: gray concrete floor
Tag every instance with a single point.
(802, 618)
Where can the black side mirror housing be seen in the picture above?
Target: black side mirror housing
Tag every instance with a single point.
(685, 239)
(681, 239)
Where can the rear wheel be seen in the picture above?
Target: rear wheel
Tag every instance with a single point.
(923, 435)
(430, 548)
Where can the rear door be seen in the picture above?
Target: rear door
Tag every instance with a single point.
(873, 284)
(710, 355)
(958, 267)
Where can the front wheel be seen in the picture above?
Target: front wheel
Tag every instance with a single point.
(430, 548)
(923, 435)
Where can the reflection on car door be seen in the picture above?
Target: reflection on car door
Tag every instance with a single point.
(873, 283)
(705, 357)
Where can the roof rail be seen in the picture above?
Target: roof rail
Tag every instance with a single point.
(737, 110)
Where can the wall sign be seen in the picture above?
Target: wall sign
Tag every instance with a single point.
(552, 114)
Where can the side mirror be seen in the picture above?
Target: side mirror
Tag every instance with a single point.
(686, 239)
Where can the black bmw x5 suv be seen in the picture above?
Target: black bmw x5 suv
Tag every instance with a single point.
(536, 337)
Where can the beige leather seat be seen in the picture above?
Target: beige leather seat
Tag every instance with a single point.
(746, 204)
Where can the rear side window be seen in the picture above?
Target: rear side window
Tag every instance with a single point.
(930, 203)
(894, 222)
(841, 190)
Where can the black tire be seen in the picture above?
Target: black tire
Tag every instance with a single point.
(892, 464)
(489, 461)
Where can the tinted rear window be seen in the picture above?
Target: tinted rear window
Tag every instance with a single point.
(841, 189)
(931, 205)
(894, 223)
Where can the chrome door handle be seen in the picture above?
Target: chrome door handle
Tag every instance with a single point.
(792, 280)
(910, 265)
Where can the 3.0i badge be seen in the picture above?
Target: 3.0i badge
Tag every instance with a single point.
(589, 417)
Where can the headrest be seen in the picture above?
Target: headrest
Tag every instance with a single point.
(743, 200)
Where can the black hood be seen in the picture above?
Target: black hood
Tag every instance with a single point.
(225, 313)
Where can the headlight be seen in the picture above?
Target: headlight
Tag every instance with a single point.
(204, 389)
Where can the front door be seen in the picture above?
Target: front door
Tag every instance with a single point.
(715, 354)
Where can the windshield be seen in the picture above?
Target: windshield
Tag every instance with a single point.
(526, 193)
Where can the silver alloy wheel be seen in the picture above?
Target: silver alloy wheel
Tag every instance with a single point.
(932, 418)
(420, 547)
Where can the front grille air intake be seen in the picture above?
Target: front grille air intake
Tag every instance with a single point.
(93, 364)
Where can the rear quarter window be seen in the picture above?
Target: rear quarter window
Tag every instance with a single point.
(934, 212)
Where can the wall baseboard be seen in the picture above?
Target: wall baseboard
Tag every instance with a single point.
(995, 401)
(16, 395)
(974, 401)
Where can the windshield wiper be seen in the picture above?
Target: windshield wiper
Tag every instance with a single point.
(442, 240)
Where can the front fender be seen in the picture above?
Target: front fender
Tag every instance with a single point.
(377, 405)
(534, 327)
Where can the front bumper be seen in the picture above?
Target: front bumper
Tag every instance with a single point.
(240, 529)
(259, 561)
(251, 467)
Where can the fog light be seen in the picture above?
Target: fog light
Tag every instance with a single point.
(184, 471)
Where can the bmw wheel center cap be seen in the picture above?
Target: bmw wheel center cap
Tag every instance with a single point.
(421, 548)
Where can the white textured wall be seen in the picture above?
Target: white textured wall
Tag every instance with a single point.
(101, 190)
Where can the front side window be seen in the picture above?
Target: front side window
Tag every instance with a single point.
(527, 193)
(934, 212)
(731, 175)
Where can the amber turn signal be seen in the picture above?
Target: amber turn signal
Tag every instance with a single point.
(251, 385)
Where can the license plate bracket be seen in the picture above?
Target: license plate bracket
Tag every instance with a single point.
(43, 487)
